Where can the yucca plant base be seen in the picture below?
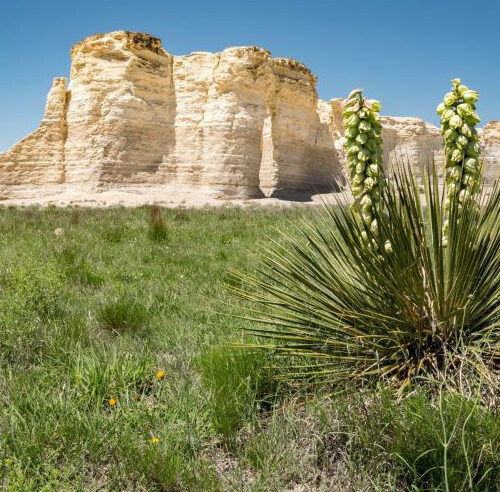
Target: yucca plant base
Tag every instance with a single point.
(352, 312)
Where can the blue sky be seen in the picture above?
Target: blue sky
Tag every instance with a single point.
(403, 52)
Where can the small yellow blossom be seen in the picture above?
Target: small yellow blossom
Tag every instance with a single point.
(155, 440)
(112, 401)
(160, 374)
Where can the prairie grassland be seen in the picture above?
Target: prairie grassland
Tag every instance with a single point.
(116, 374)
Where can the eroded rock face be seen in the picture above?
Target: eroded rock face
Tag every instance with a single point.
(39, 158)
(410, 141)
(490, 138)
(121, 110)
(239, 122)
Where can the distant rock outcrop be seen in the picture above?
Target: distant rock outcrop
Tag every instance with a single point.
(490, 137)
(239, 123)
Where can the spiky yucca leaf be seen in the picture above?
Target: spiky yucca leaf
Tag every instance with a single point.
(355, 313)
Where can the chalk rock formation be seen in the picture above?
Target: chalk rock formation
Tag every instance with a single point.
(120, 112)
(490, 138)
(410, 140)
(238, 122)
(39, 157)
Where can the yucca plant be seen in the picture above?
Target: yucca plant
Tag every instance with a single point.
(462, 164)
(347, 313)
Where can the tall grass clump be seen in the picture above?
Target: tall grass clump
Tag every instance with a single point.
(446, 443)
(243, 376)
(416, 310)
(157, 227)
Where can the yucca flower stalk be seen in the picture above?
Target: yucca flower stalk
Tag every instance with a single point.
(461, 143)
(363, 146)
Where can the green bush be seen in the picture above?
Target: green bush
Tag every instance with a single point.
(96, 377)
(78, 267)
(33, 289)
(31, 310)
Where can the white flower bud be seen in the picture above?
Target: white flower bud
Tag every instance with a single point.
(470, 96)
(369, 183)
(364, 126)
(450, 99)
(457, 155)
(455, 121)
(440, 109)
(360, 167)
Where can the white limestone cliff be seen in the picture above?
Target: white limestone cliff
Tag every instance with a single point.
(490, 138)
(135, 117)
(39, 157)
(237, 124)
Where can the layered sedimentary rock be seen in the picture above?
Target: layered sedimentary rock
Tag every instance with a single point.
(490, 138)
(238, 122)
(410, 140)
(301, 153)
(39, 158)
(121, 110)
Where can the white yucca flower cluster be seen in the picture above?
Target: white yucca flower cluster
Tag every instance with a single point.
(363, 146)
(458, 127)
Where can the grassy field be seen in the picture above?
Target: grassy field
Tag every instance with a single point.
(116, 373)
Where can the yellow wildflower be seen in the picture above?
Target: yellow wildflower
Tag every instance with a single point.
(155, 440)
(160, 374)
(112, 401)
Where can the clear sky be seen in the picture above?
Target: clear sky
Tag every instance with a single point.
(403, 52)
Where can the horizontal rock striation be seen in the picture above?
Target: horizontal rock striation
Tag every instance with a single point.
(236, 124)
